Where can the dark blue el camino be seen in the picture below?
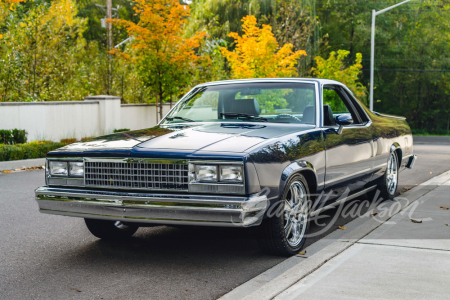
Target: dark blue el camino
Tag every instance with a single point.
(233, 153)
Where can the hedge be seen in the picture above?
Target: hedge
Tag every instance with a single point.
(27, 151)
(14, 136)
(121, 130)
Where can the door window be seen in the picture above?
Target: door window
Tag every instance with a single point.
(338, 105)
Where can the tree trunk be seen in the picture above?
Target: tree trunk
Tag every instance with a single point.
(34, 65)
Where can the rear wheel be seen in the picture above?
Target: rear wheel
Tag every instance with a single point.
(110, 230)
(388, 183)
(284, 232)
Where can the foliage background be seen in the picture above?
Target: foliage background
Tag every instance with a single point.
(55, 49)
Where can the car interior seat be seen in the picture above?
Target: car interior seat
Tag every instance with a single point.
(243, 106)
(328, 119)
(309, 115)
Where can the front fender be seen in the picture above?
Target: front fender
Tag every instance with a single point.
(308, 171)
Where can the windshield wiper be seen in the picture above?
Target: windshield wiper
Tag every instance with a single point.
(179, 118)
(242, 115)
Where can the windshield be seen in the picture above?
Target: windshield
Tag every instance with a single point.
(257, 102)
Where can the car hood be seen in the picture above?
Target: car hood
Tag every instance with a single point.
(211, 137)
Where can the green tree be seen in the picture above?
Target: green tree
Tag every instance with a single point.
(334, 68)
(295, 22)
(411, 55)
(42, 47)
(220, 17)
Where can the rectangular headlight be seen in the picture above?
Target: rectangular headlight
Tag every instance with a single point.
(206, 173)
(231, 174)
(76, 169)
(58, 168)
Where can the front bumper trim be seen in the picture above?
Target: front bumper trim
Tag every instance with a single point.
(170, 209)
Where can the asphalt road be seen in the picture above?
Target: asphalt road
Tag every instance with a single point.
(55, 257)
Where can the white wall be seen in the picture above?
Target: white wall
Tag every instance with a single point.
(95, 116)
(139, 116)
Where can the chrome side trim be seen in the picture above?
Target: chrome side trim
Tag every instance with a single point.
(153, 208)
(349, 176)
(353, 196)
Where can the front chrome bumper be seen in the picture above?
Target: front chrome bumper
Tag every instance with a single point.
(181, 209)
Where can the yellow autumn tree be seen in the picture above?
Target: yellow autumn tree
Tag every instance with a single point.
(41, 51)
(5, 7)
(165, 57)
(258, 55)
(334, 68)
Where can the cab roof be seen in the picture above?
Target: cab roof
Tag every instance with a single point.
(256, 80)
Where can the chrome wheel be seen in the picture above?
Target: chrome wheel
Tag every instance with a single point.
(392, 174)
(295, 213)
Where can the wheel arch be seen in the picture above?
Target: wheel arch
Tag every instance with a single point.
(395, 147)
(304, 168)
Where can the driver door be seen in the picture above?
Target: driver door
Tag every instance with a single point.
(348, 155)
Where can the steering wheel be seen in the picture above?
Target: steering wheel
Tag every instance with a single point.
(286, 117)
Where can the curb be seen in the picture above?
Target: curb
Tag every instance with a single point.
(307, 266)
(27, 163)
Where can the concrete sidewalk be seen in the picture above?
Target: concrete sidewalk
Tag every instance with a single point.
(392, 257)
(399, 260)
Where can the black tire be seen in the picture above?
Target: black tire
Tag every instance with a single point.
(110, 230)
(272, 235)
(383, 190)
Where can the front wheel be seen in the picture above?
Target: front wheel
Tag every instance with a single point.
(110, 230)
(284, 231)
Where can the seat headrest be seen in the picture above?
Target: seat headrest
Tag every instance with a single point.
(328, 119)
(309, 115)
(246, 106)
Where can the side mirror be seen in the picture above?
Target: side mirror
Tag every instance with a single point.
(343, 120)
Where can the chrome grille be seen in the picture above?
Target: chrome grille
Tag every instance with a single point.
(153, 176)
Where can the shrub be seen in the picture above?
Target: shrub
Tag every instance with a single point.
(19, 136)
(6, 137)
(14, 136)
(68, 141)
(120, 130)
(27, 151)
